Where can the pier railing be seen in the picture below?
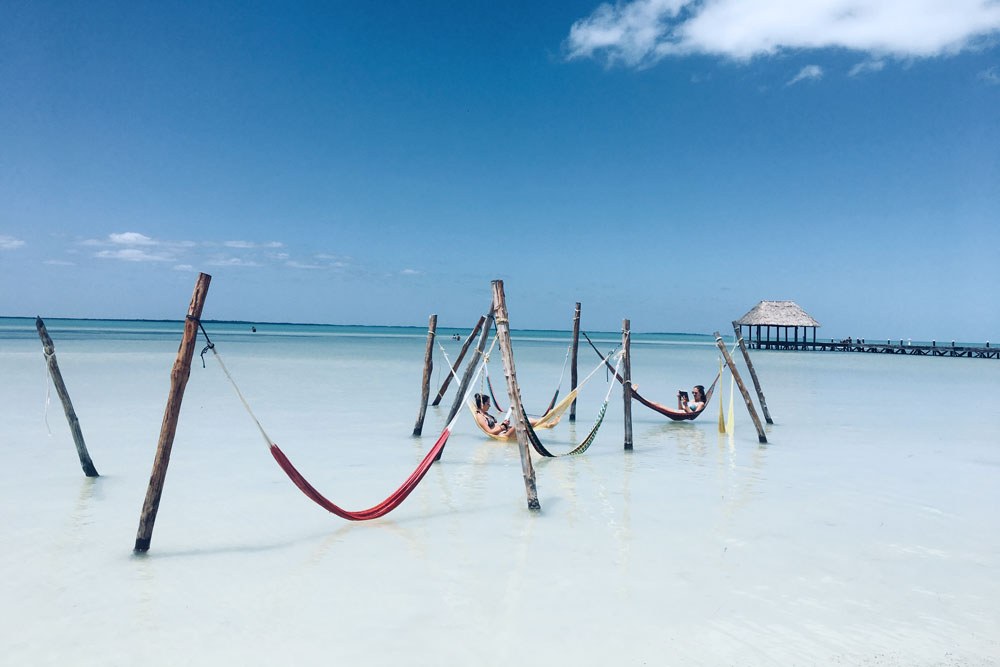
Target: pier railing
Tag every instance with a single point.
(862, 345)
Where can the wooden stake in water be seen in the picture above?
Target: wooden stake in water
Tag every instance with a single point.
(49, 350)
(458, 361)
(514, 393)
(743, 390)
(178, 381)
(425, 391)
(573, 372)
(627, 382)
(753, 374)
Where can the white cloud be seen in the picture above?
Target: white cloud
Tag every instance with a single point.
(130, 238)
(867, 66)
(991, 75)
(807, 73)
(641, 32)
(9, 242)
(302, 265)
(410, 272)
(58, 262)
(183, 267)
(132, 255)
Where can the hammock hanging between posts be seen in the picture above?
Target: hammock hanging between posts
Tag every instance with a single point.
(672, 413)
(550, 418)
(379, 510)
(587, 441)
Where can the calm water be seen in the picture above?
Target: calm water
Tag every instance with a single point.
(865, 532)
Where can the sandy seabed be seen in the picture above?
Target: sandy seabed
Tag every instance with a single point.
(864, 533)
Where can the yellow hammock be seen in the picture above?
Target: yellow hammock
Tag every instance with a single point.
(550, 418)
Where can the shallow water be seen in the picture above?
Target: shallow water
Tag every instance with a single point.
(864, 532)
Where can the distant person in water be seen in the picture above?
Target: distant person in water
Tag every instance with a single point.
(693, 404)
(253, 329)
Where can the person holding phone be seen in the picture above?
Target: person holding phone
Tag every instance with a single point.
(694, 403)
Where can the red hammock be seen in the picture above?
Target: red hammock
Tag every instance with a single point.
(676, 415)
(376, 511)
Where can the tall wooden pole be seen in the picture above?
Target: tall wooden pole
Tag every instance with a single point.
(753, 374)
(573, 378)
(470, 370)
(458, 361)
(627, 384)
(514, 392)
(178, 381)
(743, 390)
(425, 390)
(49, 350)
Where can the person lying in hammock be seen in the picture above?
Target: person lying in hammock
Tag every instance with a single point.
(693, 404)
(487, 421)
(490, 424)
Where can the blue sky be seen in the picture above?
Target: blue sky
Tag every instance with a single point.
(668, 161)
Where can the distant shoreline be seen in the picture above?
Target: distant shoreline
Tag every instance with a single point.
(316, 324)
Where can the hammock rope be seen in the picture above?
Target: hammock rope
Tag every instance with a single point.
(390, 503)
(591, 436)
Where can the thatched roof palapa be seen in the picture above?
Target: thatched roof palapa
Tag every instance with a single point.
(777, 314)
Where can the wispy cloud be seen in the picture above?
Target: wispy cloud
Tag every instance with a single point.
(410, 272)
(131, 238)
(641, 32)
(133, 255)
(303, 265)
(232, 261)
(183, 267)
(58, 262)
(807, 73)
(991, 75)
(10, 243)
(866, 67)
(249, 245)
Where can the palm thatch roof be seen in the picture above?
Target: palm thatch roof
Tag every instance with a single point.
(777, 313)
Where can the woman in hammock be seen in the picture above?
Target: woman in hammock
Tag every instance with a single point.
(490, 424)
(695, 403)
(487, 421)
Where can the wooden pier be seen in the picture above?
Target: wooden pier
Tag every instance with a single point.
(888, 347)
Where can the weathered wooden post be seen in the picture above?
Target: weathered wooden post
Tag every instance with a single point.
(425, 391)
(743, 390)
(470, 370)
(178, 381)
(458, 361)
(753, 375)
(514, 392)
(49, 350)
(627, 383)
(573, 378)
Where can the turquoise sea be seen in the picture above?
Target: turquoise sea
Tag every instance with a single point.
(864, 532)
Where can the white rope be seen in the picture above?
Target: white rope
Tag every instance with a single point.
(243, 400)
(48, 396)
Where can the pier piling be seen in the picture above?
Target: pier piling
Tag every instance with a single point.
(753, 373)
